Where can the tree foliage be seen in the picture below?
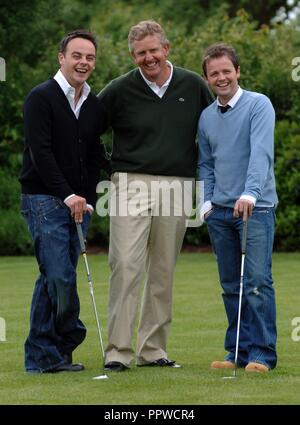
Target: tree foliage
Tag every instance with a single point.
(261, 12)
(29, 36)
(31, 30)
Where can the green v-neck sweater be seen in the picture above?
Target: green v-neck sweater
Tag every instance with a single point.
(153, 135)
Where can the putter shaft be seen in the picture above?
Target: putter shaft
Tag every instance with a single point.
(83, 251)
(244, 241)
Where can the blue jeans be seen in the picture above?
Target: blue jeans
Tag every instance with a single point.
(55, 328)
(257, 341)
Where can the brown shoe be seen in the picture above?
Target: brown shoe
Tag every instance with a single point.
(222, 365)
(256, 367)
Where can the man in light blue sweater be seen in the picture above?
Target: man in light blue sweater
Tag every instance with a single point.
(236, 163)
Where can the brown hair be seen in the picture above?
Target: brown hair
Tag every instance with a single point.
(218, 50)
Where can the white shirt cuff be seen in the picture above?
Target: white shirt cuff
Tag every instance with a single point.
(207, 206)
(68, 197)
(249, 198)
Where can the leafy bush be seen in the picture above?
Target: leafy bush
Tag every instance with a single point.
(14, 236)
(287, 171)
(30, 51)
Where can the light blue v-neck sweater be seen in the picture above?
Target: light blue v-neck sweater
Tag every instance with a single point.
(236, 151)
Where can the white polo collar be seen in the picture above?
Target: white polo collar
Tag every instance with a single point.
(67, 88)
(152, 84)
(232, 102)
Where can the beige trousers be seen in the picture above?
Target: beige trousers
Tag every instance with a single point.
(147, 227)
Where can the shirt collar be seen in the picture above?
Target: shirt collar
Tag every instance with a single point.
(67, 88)
(234, 99)
(153, 83)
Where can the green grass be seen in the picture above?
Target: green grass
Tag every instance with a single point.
(196, 339)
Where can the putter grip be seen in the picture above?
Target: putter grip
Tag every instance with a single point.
(80, 237)
(244, 237)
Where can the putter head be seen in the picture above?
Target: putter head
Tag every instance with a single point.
(100, 377)
(233, 376)
(229, 377)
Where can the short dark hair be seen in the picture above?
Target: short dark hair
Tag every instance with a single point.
(217, 51)
(80, 33)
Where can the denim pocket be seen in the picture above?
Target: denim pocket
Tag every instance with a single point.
(263, 210)
(48, 205)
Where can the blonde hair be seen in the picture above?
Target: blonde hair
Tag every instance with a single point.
(144, 28)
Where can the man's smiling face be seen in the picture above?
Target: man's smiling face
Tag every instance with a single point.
(78, 61)
(222, 77)
(151, 56)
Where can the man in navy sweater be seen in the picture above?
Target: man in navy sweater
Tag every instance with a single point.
(236, 163)
(61, 166)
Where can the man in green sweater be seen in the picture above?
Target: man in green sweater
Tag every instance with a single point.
(153, 112)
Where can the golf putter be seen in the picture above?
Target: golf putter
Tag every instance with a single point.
(83, 251)
(244, 240)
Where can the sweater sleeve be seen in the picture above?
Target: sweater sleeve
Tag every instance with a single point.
(207, 95)
(205, 164)
(37, 127)
(106, 99)
(97, 160)
(262, 123)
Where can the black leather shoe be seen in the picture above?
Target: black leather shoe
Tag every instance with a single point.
(115, 367)
(68, 358)
(69, 367)
(162, 363)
